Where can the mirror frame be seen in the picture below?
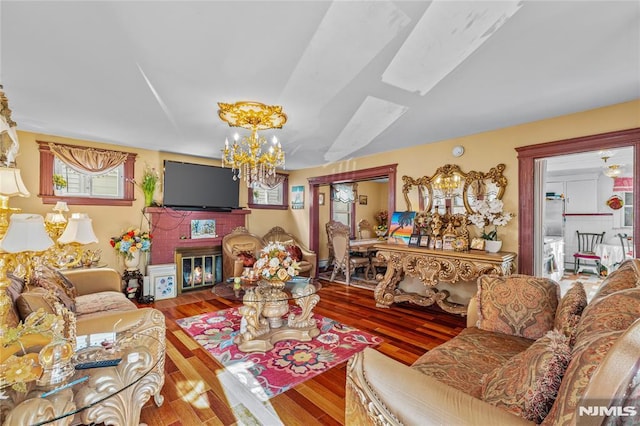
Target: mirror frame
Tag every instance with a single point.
(425, 184)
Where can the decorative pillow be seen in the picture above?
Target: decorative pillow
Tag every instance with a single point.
(295, 252)
(249, 247)
(50, 279)
(248, 259)
(626, 276)
(616, 311)
(527, 384)
(519, 305)
(34, 299)
(14, 290)
(587, 355)
(570, 310)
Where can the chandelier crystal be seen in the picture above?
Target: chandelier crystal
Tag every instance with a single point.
(247, 157)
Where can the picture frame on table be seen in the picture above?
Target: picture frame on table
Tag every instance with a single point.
(401, 227)
(477, 244)
(414, 240)
(424, 241)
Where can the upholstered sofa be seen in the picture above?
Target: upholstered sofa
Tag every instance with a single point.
(524, 358)
(240, 248)
(95, 296)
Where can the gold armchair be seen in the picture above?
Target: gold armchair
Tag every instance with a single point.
(237, 247)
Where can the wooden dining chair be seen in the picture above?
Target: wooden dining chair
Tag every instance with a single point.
(339, 236)
(587, 242)
(365, 230)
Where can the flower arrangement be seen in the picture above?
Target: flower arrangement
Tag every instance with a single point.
(150, 178)
(131, 241)
(382, 217)
(59, 181)
(489, 212)
(275, 263)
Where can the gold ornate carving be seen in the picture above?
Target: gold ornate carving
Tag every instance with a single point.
(432, 267)
(449, 181)
(252, 115)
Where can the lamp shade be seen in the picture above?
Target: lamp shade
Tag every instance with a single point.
(61, 206)
(26, 232)
(79, 230)
(11, 183)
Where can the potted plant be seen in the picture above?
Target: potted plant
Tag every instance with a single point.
(59, 182)
(490, 213)
(150, 178)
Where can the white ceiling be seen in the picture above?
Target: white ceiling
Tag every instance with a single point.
(354, 77)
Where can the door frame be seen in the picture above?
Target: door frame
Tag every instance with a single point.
(527, 155)
(387, 171)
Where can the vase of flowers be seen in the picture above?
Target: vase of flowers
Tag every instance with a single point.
(275, 264)
(490, 213)
(150, 178)
(130, 243)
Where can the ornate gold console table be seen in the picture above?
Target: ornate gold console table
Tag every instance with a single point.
(432, 267)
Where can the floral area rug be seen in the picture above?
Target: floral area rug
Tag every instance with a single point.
(289, 363)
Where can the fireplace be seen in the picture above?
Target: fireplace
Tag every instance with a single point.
(198, 267)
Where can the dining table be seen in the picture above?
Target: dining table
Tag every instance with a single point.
(611, 255)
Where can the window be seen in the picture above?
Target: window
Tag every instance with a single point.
(270, 195)
(78, 184)
(60, 181)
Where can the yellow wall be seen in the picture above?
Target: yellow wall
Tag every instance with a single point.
(483, 151)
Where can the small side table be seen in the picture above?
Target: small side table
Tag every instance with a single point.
(132, 274)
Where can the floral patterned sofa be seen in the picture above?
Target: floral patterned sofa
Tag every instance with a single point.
(526, 357)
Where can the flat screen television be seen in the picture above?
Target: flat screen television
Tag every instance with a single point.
(198, 186)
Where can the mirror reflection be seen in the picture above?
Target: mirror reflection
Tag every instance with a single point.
(451, 191)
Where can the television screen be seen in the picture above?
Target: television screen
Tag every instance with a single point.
(198, 186)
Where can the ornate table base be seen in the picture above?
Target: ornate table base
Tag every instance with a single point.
(262, 323)
(432, 267)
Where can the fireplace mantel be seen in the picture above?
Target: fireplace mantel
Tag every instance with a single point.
(172, 229)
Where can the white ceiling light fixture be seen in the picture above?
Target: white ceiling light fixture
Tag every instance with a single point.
(610, 170)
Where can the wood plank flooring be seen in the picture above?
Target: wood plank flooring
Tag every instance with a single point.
(194, 394)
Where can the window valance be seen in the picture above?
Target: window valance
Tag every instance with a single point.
(88, 160)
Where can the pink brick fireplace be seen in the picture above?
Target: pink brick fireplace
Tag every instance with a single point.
(172, 229)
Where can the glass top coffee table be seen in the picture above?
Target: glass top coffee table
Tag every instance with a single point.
(127, 385)
(266, 316)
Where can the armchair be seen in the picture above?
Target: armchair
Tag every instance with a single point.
(308, 260)
(240, 249)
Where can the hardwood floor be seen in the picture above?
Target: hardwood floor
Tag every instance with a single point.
(193, 392)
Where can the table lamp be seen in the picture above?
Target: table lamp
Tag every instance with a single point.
(11, 185)
(56, 222)
(79, 231)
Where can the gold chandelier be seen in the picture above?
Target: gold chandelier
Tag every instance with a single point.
(246, 157)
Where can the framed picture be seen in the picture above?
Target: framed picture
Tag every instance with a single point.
(162, 280)
(401, 227)
(321, 198)
(414, 240)
(424, 241)
(447, 242)
(477, 244)
(362, 199)
(297, 197)
(203, 228)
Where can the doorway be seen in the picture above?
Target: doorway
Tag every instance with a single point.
(531, 188)
(387, 172)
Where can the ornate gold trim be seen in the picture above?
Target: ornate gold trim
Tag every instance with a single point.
(252, 115)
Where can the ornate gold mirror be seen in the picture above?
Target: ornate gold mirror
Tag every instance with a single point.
(450, 190)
